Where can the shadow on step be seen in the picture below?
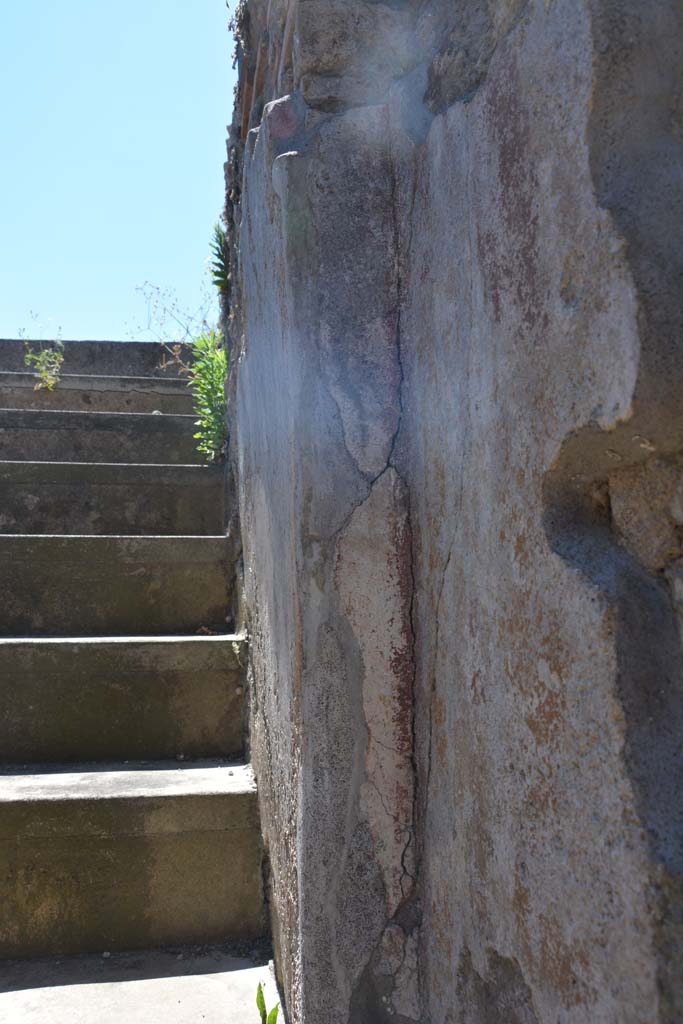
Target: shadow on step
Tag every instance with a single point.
(93, 969)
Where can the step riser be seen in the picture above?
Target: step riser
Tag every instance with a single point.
(72, 498)
(112, 586)
(118, 358)
(96, 437)
(67, 702)
(88, 876)
(143, 397)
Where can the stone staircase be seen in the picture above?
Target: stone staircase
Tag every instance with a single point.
(127, 818)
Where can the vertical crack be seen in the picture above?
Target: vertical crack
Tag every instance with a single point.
(398, 258)
(432, 690)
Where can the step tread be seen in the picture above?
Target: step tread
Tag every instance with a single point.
(77, 418)
(181, 985)
(139, 541)
(38, 784)
(137, 641)
(23, 469)
(178, 385)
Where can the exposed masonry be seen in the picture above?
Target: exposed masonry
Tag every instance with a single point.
(457, 433)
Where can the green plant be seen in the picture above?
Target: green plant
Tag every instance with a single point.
(48, 364)
(219, 264)
(208, 373)
(206, 370)
(266, 1018)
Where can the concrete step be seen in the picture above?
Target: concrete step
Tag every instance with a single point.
(176, 985)
(127, 858)
(128, 358)
(116, 699)
(98, 498)
(112, 586)
(60, 436)
(83, 393)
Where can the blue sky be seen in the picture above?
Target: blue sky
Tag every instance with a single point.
(113, 125)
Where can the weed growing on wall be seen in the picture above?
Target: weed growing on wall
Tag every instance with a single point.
(266, 1018)
(48, 364)
(219, 263)
(208, 373)
(177, 329)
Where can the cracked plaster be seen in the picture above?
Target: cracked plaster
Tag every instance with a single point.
(454, 301)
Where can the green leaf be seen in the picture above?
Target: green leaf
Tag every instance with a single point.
(208, 374)
(272, 1016)
(219, 264)
(261, 1003)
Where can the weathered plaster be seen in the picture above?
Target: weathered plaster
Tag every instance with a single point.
(457, 423)
(377, 606)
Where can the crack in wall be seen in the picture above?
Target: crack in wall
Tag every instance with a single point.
(432, 691)
(409, 874)
(407, 882)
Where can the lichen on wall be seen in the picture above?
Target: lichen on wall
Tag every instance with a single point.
(457, 435)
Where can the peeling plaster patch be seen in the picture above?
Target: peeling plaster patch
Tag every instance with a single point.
(370, 577)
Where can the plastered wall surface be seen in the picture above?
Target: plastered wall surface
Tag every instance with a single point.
(456, 422)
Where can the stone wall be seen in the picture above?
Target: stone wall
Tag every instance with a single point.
(457, 421)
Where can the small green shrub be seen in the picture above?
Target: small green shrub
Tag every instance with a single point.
(208, 373)
(266, 1018)
(219, 264)
(48, 364)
